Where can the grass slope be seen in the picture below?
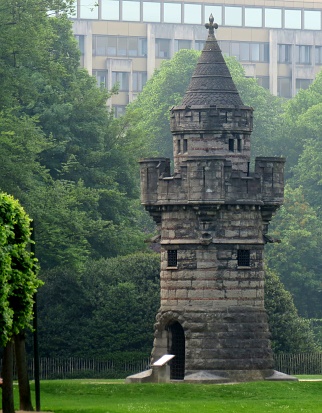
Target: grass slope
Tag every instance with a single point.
(106, 396)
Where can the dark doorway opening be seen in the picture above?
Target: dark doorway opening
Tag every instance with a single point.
(177, 348)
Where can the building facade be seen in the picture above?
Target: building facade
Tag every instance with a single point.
(213, 214)
(124, 41)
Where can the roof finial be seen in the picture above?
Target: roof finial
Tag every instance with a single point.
(211, 25)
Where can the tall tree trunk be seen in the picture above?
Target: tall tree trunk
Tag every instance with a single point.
(22, 370)
(7, 375)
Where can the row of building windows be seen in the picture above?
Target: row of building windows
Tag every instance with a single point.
(243, 258)
(123, 46)
(246, 51)
(196, 13)
(119, 46)
(131, 46)
(303, 54)
(284, 86)
(137, 47)
(139, 79)
(284, 89)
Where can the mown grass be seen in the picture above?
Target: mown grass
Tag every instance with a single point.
(113, 396)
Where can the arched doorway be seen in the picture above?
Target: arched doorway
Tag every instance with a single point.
(176, 346)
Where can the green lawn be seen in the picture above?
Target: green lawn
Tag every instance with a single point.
(113, 396)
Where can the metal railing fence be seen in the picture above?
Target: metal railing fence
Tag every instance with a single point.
(63, 368)
(301, 363)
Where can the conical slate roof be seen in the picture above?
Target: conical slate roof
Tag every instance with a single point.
(211, 82)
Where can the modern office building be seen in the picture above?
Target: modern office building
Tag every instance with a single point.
(124, 41)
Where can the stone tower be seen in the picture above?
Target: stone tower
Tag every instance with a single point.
(213, 214)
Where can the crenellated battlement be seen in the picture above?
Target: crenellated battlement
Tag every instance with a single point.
(211, 180)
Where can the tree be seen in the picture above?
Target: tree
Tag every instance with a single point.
(26, 51)
(127, 297)
(21, 143)
(301, 121)
(290, 333)
(114, 300)
(297, 258)
(18, 274)
(307, 172)
(77, 169)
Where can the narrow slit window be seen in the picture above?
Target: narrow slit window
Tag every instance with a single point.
(231, 145)
(185, 145)
(243, 258)
(239, 145)
(178, 146)
(172, 258)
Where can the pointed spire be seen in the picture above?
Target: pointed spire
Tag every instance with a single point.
(211, 83)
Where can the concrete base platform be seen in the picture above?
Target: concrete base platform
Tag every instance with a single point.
(160, 373)
(278, 376)
(142, 377)
(214, 376)
(235, 376)
(205, 377)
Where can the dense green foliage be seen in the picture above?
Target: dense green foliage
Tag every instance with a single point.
(114, 302)
(303, 117)
(69, 396)
(297, 258)
(298, 223)
(290, 333)
(77, 175)
(18, 269)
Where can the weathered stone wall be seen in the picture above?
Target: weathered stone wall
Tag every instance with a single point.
(212, 144)
(207, 213)
(213, 214)
(216, 282)
(212, 179)
(237, 223)
(204, 131)
(234, 339)
(205, 118)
